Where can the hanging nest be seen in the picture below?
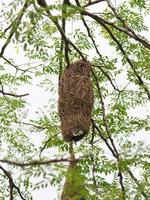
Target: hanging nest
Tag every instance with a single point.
(75, 100)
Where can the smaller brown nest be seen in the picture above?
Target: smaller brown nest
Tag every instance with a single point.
(75, 100)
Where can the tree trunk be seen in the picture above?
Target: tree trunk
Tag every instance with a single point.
(74, 187)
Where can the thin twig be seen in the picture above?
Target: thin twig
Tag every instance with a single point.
(14, 26)
(14, 65)
(13, 95)
(64, 11)
(46, 143)
(10, 94)
(103, 138)
(31, 124)
(113, 148)
(114, 154)
(138, 184)
(90, 3)
(92, 159)
(12, 185)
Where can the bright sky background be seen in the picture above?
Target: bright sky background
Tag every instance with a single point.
(38, 98)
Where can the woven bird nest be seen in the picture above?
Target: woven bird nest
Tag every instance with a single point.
(75, 100)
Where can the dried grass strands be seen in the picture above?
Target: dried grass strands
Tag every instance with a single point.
(75, 100)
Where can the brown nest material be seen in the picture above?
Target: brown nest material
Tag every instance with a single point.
(75, 100)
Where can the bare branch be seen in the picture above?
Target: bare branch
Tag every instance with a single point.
(12, 185)
(31, 124)
(10, 94)
(14, 65)
(9, 27)
(13, 95)
(90, 3)
(36, 162)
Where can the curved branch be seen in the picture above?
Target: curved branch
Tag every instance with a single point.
(10, 94)
(90, 3)
(12, 185)
(14, 26)
(37, 162)
(97, 50)
(130, 33)
(43, 4)
(138, 184)
(139, 78)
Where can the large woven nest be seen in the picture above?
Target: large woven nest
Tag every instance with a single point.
(75, 100)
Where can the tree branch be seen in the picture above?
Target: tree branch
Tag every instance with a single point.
(116, 156)
(14, 65)
(130, 31)
(14, 26)
(64, 11)
(100, 20)
(10, 94)
(31, 124)
(113, 148)
(103, 138)
(138, 184)
(46, 143)
(103, 23)
(13, 95)
(55, 21)
(66, 49)
(139, 78)
(37, 162)
(90, 3)
(96, 48)
(92, 159)
(12, 185)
